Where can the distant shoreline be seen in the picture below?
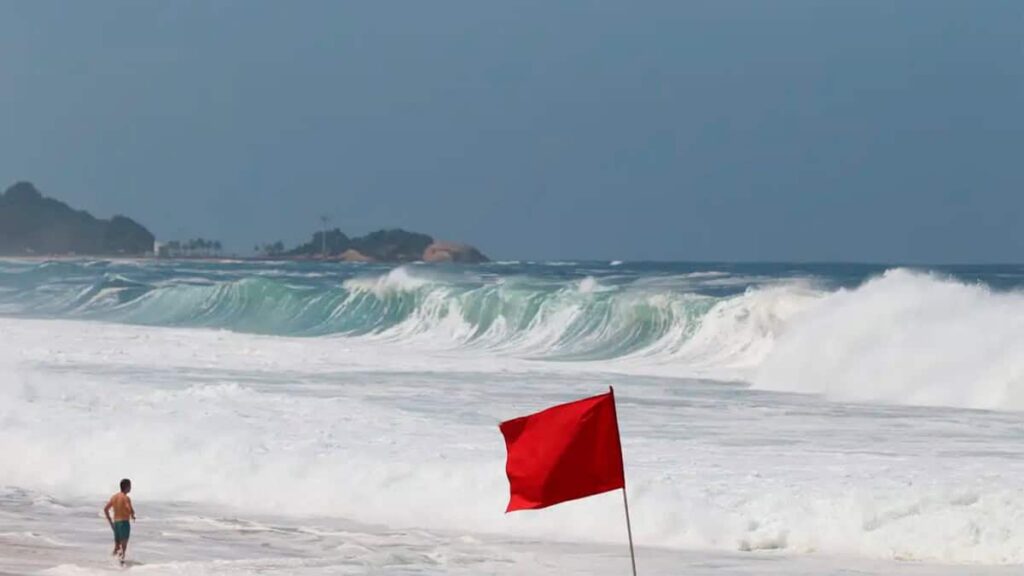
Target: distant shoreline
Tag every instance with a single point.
(225, 258)
(37, 227)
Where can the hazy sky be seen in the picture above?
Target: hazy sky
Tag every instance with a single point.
(678, 130)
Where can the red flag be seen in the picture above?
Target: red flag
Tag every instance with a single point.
(563, 453)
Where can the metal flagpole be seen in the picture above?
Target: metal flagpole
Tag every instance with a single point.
(625, 501)
(629, 530)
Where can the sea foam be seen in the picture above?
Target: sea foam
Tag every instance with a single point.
(905, 337)
(399, 436)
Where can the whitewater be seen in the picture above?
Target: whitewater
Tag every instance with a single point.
(306, 418)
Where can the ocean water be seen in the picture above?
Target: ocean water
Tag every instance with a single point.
(303, 418)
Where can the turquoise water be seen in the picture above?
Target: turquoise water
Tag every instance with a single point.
(571, 310)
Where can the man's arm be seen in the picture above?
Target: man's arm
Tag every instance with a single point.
(131, 507)
(106, 512)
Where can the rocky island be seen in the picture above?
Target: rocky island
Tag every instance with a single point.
(394, 245)
(34, 225)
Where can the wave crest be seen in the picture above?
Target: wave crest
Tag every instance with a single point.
(908, 338)
(901, 337)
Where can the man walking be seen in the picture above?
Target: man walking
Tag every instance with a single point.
(123, 511)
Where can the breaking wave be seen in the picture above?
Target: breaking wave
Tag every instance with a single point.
(905, 338)
(581, 319)
(900, 336)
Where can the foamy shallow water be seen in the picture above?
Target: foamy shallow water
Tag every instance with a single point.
(182, 539)
(265, 454)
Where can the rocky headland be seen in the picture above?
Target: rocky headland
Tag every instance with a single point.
(34, 225)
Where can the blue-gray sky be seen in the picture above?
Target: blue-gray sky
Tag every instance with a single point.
(673, 130)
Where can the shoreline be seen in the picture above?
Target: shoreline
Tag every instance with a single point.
(225, 259)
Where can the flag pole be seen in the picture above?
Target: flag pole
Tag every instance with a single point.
(629, 531)
(625, 501)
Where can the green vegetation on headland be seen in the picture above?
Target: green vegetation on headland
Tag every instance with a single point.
(384, 246)
(194, 248)
(34, 225)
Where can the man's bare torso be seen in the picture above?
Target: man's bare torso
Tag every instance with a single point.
(122, 506)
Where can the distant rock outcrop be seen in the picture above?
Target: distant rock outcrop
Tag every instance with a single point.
(453, 252)
(393, 245)
(32, 224)
(352, 255)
